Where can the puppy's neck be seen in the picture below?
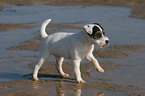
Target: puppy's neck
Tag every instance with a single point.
(85, 38)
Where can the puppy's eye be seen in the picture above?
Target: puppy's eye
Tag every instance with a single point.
(98, 35)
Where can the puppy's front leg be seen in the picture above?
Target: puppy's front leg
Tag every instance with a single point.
(76, 69)
(92, 59)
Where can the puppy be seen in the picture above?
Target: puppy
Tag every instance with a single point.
(73, 46)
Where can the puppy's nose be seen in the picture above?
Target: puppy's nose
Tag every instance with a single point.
(107, 41)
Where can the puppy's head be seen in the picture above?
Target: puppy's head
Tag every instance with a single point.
(96, 35)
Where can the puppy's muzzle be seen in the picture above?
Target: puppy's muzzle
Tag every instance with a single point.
(106, 43)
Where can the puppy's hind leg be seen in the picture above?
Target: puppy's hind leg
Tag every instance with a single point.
(42, 57)
(58, 66)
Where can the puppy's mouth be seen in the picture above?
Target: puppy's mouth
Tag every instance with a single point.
(103, 46)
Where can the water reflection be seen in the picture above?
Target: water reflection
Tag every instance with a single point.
(63, 89)
(77, 90)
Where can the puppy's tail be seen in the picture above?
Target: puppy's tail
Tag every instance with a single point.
(43, 27)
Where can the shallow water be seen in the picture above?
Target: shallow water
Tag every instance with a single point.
(120, 29)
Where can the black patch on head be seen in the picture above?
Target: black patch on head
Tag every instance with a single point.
(96, 33)
(100, 27)
(95, 29)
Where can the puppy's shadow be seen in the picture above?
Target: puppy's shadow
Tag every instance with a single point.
(56, 77)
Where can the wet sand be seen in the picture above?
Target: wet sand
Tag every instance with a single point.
(50, 82)
(138, 6)
(7, 27)
(33, 88)
(47, 75)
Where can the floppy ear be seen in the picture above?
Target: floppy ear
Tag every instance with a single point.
(89, 28)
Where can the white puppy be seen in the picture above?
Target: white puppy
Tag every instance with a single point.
(73, 46)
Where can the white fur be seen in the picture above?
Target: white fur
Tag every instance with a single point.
(73, 46)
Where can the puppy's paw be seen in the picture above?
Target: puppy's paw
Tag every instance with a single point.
(100, 70)
(35, 79)
(81, 81)
(65, 75)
